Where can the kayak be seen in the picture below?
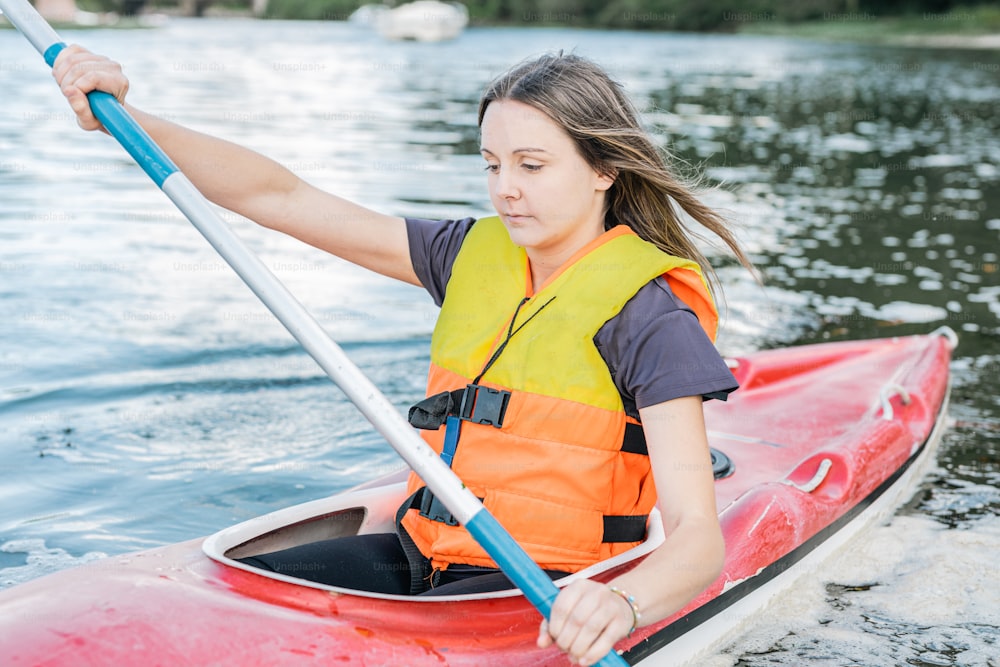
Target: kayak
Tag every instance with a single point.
(819, 442)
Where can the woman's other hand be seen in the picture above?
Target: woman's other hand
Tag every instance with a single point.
(587, 620)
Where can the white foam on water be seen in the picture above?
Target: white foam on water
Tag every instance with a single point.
(904, 311)
(39, 560)
(882, 602)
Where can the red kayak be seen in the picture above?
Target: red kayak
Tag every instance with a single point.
(819, 442)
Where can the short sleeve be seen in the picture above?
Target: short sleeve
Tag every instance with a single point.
(434, 245)
(657, 351)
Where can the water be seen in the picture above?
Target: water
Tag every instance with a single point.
(146, 397)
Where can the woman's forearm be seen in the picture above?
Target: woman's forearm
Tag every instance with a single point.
(693, 551)
(262, 190)
(234, 177)
(687, 562)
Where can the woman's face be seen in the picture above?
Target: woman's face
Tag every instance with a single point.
(549, 198)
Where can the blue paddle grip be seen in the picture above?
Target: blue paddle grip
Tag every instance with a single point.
(53, 51)
(123, 127)
(521, 570)
(131, 136)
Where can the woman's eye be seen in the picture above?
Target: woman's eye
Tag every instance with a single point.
(495, 168)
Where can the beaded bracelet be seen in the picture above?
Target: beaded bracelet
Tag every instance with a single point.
(636, 616)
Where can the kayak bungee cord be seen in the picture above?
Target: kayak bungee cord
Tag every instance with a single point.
(467, 509)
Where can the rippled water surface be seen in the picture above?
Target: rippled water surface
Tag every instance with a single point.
(146, 397)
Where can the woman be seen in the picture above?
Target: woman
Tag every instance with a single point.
(576, 314)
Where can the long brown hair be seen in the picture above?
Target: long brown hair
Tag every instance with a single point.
(597, 114)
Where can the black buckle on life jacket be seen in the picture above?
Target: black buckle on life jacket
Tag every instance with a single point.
(435, 510)
(484, 405)
(474, 403)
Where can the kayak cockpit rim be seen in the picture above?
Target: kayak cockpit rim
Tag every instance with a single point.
(371, 508)
(360, 511)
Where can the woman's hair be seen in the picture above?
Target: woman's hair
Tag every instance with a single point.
(594, 110)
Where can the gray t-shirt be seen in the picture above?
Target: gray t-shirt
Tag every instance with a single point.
(655, 348)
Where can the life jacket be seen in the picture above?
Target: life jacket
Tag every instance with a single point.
(559, 472)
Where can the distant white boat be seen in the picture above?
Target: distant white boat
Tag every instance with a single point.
(423, 20)
(66, 14)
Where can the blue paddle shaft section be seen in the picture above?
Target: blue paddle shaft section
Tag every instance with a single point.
(123, 127)
(131, 136)
(521, 570)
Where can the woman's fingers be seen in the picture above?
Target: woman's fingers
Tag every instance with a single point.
(598, 630)
(78, 72)
(600, 647)
(563, 623)
(586, 621)
(544, 638)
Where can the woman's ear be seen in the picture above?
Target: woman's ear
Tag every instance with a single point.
(605, 179)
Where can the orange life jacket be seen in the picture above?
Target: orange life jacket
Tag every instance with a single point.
(555, 473)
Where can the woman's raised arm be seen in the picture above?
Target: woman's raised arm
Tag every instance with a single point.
(247, 182)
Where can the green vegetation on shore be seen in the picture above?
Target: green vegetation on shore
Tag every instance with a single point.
(854, 19)
(867, 26)
(875, 21)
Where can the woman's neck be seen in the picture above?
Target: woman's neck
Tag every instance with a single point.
(544, 267)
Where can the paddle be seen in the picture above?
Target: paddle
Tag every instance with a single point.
(501, 547)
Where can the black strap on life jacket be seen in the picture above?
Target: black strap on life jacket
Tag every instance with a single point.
(485, 405)
(422, 575)
(625, 528)
(634, 440)
(617, 528)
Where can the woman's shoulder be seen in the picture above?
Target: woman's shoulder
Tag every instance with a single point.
(654, 300)
(656, 350)
(434, 244)
(653, 312)
(429, 230)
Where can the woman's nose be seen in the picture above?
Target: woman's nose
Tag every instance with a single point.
(505, 186)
